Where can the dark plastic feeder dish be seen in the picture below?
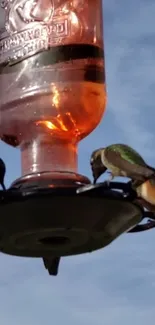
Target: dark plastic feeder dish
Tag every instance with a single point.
(60, 221)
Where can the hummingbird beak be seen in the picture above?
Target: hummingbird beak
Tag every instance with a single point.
(95, 180)
(3, 186)
(96, 174)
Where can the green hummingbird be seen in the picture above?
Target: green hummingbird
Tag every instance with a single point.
(120, 160)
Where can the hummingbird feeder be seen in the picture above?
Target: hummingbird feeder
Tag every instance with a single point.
(52, 95)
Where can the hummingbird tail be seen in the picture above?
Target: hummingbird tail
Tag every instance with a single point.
(95, 180)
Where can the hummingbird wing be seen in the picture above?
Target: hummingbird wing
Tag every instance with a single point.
(132, 169)
(52, 264)
(127, 153)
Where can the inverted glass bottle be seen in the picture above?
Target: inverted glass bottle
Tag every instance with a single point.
(52, 79)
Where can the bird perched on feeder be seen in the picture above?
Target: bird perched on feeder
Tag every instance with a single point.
(2, 173)
(120, 160)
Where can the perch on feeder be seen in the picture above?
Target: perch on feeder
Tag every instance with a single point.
(52, 95)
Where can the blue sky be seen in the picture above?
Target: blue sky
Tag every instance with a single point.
(115, 285)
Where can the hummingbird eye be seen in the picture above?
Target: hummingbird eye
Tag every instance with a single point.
(91, 160)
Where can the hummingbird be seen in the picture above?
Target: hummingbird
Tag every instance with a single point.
(2, 174)
(120, 160)
(52, 264)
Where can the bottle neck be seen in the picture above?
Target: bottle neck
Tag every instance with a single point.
(48, 154)
(49, 162)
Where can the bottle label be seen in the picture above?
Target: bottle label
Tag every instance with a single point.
(32, 26)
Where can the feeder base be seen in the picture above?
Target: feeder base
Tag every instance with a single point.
(61, 222)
